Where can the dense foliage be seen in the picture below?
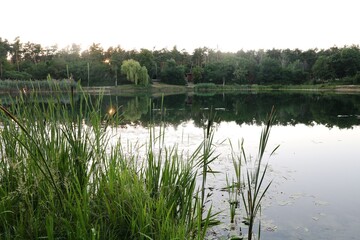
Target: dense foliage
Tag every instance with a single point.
(135, 72)
(97, 66)
(173, 73)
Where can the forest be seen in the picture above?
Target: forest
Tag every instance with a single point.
(97, 66)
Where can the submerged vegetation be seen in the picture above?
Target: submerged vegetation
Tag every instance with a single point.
(62, 178)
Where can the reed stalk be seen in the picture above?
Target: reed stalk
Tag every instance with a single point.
(255, 188)
(60, 178)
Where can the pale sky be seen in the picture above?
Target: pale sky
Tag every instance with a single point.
(227, 25)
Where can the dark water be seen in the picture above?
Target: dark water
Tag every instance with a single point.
(315, 191)
(341, 111)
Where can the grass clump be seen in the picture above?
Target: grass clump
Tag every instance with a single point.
(60, 178)
(249, 184)
(26, 86)
(203, 87)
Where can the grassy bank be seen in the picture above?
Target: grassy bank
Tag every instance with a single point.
(208, 87)
(158, 89)
(166, 89)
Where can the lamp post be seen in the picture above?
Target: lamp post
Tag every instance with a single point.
(113, 66)
(88, 73)
(116, 76)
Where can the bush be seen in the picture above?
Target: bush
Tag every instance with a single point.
(14, 75)
(347, 80)
(204, 86)
(356, 79)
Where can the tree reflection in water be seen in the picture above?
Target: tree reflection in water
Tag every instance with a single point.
(331, 110)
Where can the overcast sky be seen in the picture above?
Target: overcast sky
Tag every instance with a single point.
(227, 25)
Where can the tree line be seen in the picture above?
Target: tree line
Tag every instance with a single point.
(97, 66)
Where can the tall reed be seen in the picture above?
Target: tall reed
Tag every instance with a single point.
(255, 188)
(61, 179)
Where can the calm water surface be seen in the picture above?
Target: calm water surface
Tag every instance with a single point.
(315, 191)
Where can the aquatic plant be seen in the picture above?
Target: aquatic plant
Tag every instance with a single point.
(249, 186)
(255, 188)
(60, 178)
(38, 85)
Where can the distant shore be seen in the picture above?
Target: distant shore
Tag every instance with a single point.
(167, 89)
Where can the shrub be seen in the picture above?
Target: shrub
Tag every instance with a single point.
(17, 75)
(204, 86)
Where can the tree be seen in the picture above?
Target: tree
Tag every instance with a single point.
(160, 58)
(134, 72)
(146, 58)
(270, 71)
(309, 57)
(4, 49)
(245, 70)
(70, 53)
(219, 72)
(350, 60)
(274, 54)
(95, 53)
(115, 57)
(50, 53)
(57, 68)
(39, 71)
(173, 74)
(199, 57)
(144, 76)
(15, 52)
(32, 52)
(198, 72)
(176, 55)
(322, 70)
(294, 73)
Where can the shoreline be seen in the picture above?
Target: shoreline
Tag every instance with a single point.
(166, 89)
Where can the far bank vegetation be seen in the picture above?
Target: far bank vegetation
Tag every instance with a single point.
(97, 66)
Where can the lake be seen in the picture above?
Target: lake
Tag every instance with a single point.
(315, 172)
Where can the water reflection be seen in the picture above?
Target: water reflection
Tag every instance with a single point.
(135, 108)
(315, 176)
(315, 172)
(330, 110)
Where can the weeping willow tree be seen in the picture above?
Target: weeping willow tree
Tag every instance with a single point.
(144, 76)
(135, 72)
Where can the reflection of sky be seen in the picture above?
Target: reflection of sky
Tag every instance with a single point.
(314, 194)
(325, 176)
